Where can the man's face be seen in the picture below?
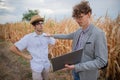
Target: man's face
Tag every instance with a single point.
(83, 19)
(39, 26)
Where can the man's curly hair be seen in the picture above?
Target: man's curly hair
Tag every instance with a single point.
(82, 7)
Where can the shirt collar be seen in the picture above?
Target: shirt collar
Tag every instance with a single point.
(36, 35)
(86, 30)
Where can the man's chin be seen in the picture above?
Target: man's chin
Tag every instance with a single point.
(80, 24)
(40, 30)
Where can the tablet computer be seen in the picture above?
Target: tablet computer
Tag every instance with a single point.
(69, 58)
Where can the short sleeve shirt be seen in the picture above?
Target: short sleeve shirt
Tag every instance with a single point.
(37, 46)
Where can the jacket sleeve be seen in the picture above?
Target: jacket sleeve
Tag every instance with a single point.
(101, 55)
(64, 36)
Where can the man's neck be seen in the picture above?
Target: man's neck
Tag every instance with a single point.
(38, 33)
(85, 26)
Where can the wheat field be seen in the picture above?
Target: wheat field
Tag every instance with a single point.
(12, 32)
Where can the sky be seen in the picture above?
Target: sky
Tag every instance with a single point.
(13, 10)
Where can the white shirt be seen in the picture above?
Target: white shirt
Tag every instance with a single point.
(37, 46)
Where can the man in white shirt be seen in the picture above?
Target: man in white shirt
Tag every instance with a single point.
(37, 45)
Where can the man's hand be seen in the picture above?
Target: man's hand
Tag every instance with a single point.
(69, 67)
(28, 57)
(48, 35)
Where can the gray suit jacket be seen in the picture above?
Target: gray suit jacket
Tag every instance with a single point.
(95, 54)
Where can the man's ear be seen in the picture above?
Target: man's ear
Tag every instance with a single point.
(34, 26)
(89, 14)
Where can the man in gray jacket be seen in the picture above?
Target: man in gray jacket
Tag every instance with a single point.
(89, 38)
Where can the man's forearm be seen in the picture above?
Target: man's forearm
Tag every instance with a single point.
(19, 53)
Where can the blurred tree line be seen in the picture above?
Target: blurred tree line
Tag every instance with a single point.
(27, 16)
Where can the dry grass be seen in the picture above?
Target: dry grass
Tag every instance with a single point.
(13, 32)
